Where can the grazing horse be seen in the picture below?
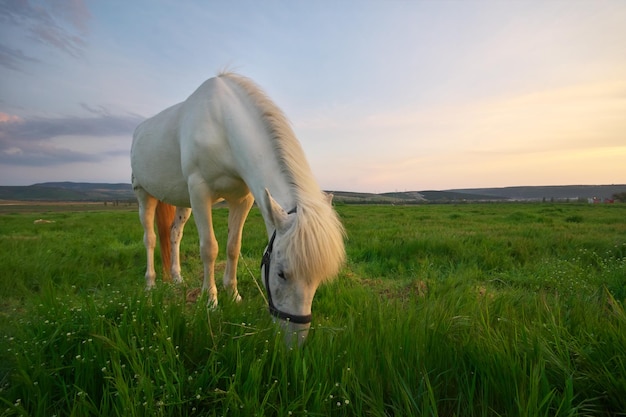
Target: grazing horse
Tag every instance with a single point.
(229, 141)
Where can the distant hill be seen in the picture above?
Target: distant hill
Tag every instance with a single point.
(410, 197)
(80, 191)
(68, 191)
(556, 192)
(530, 193)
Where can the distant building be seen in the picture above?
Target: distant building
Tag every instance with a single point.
(598, 200)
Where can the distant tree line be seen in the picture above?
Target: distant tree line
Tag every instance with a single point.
(621, 197)
(115, 203)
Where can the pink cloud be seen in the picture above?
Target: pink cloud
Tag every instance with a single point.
(9, 118)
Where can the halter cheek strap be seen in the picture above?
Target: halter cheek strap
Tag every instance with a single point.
(265, 265)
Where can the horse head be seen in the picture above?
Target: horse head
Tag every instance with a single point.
(290, 268)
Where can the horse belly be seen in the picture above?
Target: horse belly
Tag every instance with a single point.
(167, 190)
(156, 166)
(214, 166)
(229, 188)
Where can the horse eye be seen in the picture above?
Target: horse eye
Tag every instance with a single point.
(282, 276)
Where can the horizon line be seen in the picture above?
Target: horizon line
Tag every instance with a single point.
(360, 192)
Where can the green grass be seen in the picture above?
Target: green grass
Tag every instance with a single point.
(441, 310)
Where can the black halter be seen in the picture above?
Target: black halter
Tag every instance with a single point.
(265, 263)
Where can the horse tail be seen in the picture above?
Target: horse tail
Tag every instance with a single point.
(165, 217)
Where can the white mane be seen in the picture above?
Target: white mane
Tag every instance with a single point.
(316, 239)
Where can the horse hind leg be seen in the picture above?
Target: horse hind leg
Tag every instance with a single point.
(237, 213)
(147, 209)
(181, 217)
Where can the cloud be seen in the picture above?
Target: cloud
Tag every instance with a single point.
(100, 110)
(8, 118)
(575, 117)
(61, 24)
(74, 12)
(14, 58)
(544, 135)
(44, 141)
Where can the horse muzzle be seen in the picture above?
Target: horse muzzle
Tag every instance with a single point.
(294, 334)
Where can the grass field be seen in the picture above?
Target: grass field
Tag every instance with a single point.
(441, 310)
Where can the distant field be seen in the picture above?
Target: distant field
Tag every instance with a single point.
(8, 206)
(442, 310)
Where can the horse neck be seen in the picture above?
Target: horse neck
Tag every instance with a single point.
(268, 154)
(261, 168)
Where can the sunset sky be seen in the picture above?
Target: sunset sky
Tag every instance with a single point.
(383, 95)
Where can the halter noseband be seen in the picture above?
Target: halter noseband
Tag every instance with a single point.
(265, 264)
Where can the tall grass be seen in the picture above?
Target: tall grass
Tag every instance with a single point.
(468, 310)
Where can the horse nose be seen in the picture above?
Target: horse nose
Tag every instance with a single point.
(295, 334)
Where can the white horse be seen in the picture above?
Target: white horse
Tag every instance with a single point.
(229, 141)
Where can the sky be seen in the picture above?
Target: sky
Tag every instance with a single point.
(383, 95)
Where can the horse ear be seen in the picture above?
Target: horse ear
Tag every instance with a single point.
(279, 215)
(329, 198)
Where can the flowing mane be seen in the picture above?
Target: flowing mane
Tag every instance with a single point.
(316, 239)
(295, 165)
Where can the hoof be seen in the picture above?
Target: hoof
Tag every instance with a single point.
(211, 304)
(212, 300)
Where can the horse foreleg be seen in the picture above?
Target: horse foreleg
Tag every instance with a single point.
(208, 253)
(147, 208)
(176, 235)
(237, 213)
(201, 206)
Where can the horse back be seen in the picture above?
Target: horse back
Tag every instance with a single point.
(212, 135)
